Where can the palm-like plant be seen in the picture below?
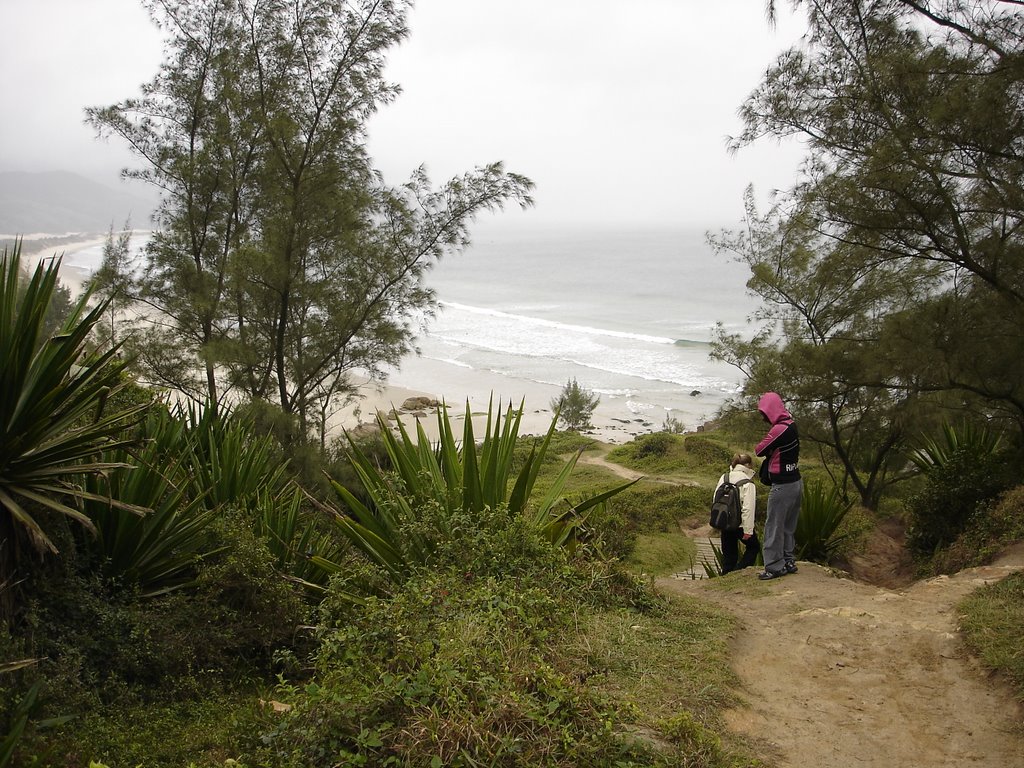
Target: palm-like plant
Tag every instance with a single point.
(298, 547)
(193, 464)
(53, 425)
(822, 511)
(230, 464)
(936, 452)
(155, 552)
(456, 479)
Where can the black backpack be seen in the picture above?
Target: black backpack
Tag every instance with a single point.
(726, 509)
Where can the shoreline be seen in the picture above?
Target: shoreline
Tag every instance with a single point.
(73, 277)
(613, 422)
(396, 401)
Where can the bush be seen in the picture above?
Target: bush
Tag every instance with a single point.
(992, 526)
(672, 425)
(99, 643)
(463, 664)
(656, 445)
(434, 494)
(954, 493)
(707, 451)
(653, 452)
(660, 507)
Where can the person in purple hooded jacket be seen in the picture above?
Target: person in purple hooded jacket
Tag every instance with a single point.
(780, 449)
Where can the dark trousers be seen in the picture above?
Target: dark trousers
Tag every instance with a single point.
(730, 551)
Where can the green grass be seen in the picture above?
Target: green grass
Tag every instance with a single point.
(585, 478)
(661, 554)
(200, 733)
(671, 670)
(992, 621)
(690, 457)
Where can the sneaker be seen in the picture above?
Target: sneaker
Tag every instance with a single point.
(766, 574)
(791, 567)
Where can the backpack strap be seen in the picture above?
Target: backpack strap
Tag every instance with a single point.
(744, 481)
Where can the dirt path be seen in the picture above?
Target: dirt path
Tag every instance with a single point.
(599, 460)
(840, 673)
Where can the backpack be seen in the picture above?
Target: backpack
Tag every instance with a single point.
(726, 509)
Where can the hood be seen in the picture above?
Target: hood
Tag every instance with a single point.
(770, 405)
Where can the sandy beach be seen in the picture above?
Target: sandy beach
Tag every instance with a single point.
(33, 251)
(410, 406)
(405, 399)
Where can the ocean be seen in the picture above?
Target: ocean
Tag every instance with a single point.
(628, 313)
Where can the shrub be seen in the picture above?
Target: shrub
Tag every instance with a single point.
(653, 452)
(656, 444)
(819, 534)
(707, 451)
(991, 527)
(672, 425)
(660, 506)
(463, 664)
(433, 491)
(99, 643)
(967, 476)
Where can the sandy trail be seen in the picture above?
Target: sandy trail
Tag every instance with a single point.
(836, 672)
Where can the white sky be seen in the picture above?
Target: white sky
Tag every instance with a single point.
(619, 110)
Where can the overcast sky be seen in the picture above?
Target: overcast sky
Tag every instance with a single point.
(618, 110)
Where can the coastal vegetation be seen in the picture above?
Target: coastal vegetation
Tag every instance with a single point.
(281, 262)
(203, 576)
(891, 271)
(575, 406)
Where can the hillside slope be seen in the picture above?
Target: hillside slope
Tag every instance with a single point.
(57, 202)
(836, 672)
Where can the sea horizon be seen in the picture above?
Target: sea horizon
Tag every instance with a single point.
(628, 313)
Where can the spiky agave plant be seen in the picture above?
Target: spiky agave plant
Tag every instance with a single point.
(935, 452)
(819, 533)
(53, 423)
(157, 552)
(455, 478)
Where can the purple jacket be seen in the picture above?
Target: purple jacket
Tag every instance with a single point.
(782, 442)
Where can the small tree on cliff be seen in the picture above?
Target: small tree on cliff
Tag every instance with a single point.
(575, 405)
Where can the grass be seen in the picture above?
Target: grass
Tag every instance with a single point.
(992, 621)
(662, 553)
(671, 670)
(202, 733)
(684, 457)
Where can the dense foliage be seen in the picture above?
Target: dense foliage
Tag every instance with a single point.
(964, 470)
(462, 663)
(53, 422)
(893, 271)
(281, 261)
